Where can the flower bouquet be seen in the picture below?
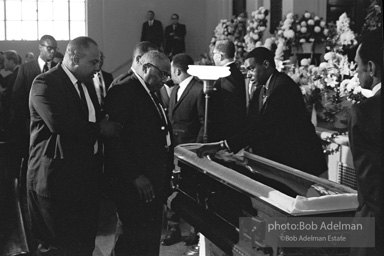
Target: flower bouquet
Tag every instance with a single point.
(310, 29)
(256, 26)
(285, 36)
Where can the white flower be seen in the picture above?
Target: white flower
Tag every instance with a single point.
(290, 15)
(328, 56)
(311, 39)
(262, 28)
(311, 22)
(305, 62)
(255, 37)
(298, 27)
(302, 40)
(316, 18)
(303, 30)
(307, 15)
(258, 44)
(323, 65)
(326, 31)
(289, 34)
(303, 24)
(317, 29)
(261, 16)
(322, 23)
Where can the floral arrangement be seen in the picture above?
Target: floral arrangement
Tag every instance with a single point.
(223, 31)
(239, 37)
(332, 74)
(256, 26)
(374, 18)
(341, 38)
(353, 91)
(285, 33)
(310, 28)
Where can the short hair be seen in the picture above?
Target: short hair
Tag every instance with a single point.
(45, 38)
(261, 54)
(12, 55)
(153, 57)
(226, 47)
(151, 12)
(175, 14)
(78, 45)
(143, 47)
(371, 48)
(182, 61)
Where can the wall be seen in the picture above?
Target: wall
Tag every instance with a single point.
(116, 24)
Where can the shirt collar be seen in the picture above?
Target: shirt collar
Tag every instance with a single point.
(185, 82)
(141, 81)
(376, 88)
(229, 63)
(41, 63)
(69, 74)
(268, 81)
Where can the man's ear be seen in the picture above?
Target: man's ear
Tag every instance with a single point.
(145, 68)
(137, 59)
(76, 59)
(178, 72)
(372, 69)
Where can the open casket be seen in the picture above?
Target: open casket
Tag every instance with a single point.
(213, 193)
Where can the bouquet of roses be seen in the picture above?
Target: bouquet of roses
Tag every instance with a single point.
(223, 31)
(341, 38)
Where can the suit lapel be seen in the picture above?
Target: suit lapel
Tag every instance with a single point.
(185, 92)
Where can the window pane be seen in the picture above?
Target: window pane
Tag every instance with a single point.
(61, 30)
(45, 28)
(77, 29)
(29, 10)
(13, 30)
(77, 10)
(1, 10)
(2, 32)
(29, 30)
(13, 10)
(45, 10)
(60, 10)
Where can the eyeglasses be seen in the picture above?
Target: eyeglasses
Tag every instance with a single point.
(50, 48)
(164, 75)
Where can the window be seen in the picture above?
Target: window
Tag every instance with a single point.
(31, 19)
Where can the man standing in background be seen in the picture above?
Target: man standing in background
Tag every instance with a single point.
(174, 37)
(152, 30)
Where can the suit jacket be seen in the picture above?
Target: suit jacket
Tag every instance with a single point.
(6, 98)
(22, 86)
(228, 108)
(365, 140)
(280, 130)
(142, 149)
(108, 79)
(187, 114)
(153, 34)
(174, 45)
(62, 139)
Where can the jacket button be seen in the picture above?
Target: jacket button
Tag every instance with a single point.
(162, 128)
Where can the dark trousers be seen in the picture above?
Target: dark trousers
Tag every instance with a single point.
(64, 228)
(142, 223)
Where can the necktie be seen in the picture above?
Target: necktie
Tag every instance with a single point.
(177, 87)
(82, 94)
(45, 68)
(102, 91)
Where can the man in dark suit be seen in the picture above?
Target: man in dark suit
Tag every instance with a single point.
(102, 81)
(141, 162)
(365, 140)
(64, 166)
(152, 30)
(229, 99)
(186, 114)
(278, 127)
(19, 123)
(175, 37)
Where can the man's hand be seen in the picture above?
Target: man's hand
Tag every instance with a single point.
(145, 189)
(110, 129)
(209, 149)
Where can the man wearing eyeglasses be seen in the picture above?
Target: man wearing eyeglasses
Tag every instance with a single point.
(19, 123)
(140, 163)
